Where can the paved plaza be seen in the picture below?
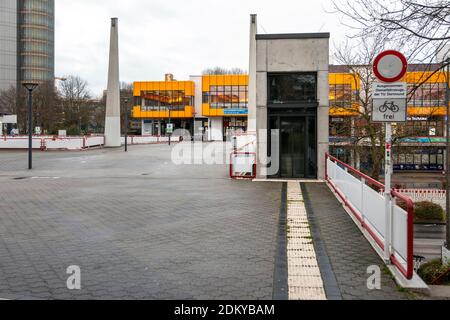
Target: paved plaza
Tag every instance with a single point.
(141, 227)
(138, 226)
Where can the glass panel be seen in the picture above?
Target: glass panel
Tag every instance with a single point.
(299, 87)
(417, 159)
(433, 159)
(285, 149)
(298, 147)
(312, 148)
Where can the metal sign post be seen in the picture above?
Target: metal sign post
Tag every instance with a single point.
(389, 105)
(387, 190)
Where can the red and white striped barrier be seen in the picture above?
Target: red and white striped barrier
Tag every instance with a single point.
(243, 160)
(436, 196)
(45, 142)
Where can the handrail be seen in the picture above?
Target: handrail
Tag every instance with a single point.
(408, 272)
(357, 172)
(246, 145)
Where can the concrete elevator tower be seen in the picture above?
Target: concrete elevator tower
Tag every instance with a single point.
(112, 121)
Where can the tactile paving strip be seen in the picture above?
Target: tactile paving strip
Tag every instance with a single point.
(304, 278)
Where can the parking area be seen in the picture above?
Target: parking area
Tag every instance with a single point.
(138, 226)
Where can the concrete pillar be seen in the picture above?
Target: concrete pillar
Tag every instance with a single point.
(112, 121)
(323, 119)
(159, 128)
(252, 76)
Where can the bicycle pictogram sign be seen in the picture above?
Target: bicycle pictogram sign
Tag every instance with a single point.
(389, 105)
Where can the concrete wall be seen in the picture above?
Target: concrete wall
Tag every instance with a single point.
(293, 53)
(8, 44)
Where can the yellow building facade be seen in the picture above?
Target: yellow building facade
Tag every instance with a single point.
(215, 106)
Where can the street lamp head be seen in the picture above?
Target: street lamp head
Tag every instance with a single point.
(30, 86)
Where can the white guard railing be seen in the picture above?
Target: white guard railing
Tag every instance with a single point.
(361, 194)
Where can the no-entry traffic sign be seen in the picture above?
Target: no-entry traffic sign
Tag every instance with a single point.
(390, 66)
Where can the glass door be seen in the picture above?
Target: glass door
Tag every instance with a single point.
(292, 149)
(297, 146)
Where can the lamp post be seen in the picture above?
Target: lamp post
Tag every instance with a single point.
(30, 86)
(170, 122)
(126, 123)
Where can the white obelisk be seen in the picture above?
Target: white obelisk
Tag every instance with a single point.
(252, 76)
(112, 121)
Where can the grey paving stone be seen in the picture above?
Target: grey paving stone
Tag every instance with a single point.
(349, 253)
(180, 232)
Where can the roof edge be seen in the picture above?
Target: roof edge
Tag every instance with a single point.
(279, 36)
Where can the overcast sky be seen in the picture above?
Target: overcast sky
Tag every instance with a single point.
(174, 36)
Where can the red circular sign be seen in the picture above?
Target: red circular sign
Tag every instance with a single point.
(390, 66)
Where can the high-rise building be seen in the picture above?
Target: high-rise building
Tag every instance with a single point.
(8, 43)
(27, 43)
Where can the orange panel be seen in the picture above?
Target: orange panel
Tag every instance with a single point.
(418, 77)
(206, 80)
(190, 89)
(427, 111)
(205, 110)
(235, 80)
(337, 111)
(243, 80)
(215, 81)
(345, 78)
(230, 80)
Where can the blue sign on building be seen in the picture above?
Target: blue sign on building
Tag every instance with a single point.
(235, 111)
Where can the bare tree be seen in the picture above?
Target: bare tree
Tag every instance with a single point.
(76, 102)
(46, 111)
(222, 71)
(421, 28)
(8, 101)
(368, 137)
(46, 108)
(126, 100)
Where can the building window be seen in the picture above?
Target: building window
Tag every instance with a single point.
(173, 100)
(226, 97)
(341, 126)
(341, 96)
(292, 87)
(422, 127)
(409, 158)
(427, 95)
